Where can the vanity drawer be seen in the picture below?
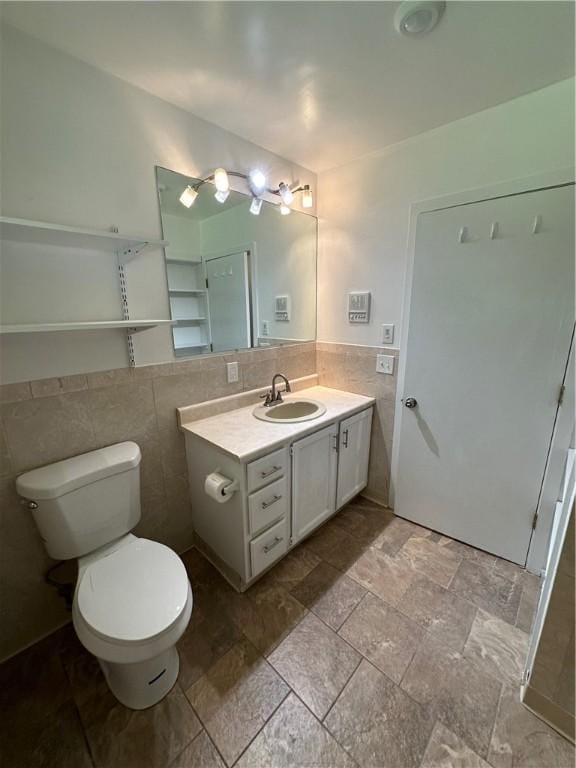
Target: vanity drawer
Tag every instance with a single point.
(268, 468)
(267, 505)
(268, 547)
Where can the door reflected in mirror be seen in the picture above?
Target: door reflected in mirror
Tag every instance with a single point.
(235, 280)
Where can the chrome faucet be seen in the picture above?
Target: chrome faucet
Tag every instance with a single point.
(273, 397)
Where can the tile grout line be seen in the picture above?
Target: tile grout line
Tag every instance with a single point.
(264, 724)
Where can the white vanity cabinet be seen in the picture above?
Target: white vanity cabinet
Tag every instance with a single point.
(353, 455)
(283, 492)
(314, 475)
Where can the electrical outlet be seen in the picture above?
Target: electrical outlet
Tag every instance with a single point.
(232, 370)
(387, 334)
(265, 331)
(385, 364)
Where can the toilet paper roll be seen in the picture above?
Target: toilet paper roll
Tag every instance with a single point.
(215, 486)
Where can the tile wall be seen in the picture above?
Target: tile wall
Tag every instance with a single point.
(52, 419)
(353, 368)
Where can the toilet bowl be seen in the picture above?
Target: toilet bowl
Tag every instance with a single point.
(133, 599)
(132, 603)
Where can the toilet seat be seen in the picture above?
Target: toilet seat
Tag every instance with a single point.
(136, 596)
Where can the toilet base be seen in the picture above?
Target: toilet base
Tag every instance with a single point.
(145, 683)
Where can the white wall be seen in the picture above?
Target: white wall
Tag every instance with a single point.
(364, 205)
(79, 147)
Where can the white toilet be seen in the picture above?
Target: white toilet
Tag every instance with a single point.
(133, 599)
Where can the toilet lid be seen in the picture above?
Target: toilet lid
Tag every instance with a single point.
(134, 593)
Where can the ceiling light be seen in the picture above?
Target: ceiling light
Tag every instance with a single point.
(285, 193)
(257, 181)
(284, 210)
(255, 206)
(221, 181)
(307, 199)
(188, 196)
(417, 18)
(222, 195)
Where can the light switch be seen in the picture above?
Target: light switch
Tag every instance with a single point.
(387, 334)
(385, 364)
(232, 370)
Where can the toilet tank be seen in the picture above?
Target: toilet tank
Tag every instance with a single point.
(85, 502)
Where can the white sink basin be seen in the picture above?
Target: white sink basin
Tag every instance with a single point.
(290, 411)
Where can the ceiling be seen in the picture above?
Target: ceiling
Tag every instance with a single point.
(319, 83)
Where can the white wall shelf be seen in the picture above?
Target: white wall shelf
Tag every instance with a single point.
(187, 262)
(188, 320)
(191, 292)
(26, 231)
(182, 348)
(91, 325)
(125, 247)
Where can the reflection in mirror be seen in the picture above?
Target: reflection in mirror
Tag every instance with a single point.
(235, 280)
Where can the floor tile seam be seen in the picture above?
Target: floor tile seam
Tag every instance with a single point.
(269, 652)
(493, 729)
(319, 721)
(202, 723)
(436, 721)
(352, 612)
(351, 647)
(422, 707)
(181, 752)
(276, 708)
(84, 732)
(483, 608)
(340, 692)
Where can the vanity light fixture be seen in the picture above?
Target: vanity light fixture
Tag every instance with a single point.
(307, 199)
(257, 181)
(222, 195)
(285, 193)
(256, 205)
(221, 181)
(188, 196)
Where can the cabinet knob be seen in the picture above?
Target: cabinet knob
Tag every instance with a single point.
(410, 402)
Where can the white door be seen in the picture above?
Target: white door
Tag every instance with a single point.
(229, 301)
(491, 317)
(314, 466)
(353, 456)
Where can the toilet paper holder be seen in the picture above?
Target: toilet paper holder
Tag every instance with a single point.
(232, 488)
(226, 490)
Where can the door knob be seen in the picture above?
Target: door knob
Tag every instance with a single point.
(410, 402)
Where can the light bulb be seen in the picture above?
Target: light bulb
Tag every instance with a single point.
(188, 196)
(285, 193)
(222, 195)
(284, 210)
(257, 181)
(255, 206)
(307, 199)
(221, 181)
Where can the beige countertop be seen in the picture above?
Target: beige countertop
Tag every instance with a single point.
(241, 435)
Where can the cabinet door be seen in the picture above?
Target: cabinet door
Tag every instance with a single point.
(354, 450)
(314, 465)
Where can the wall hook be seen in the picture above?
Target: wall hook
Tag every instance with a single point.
(494, 230)
(463, 234)
(537, 223)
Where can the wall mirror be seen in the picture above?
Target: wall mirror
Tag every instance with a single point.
(235, 280)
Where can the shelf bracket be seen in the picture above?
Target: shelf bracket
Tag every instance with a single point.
(130, 253)
(125, 311)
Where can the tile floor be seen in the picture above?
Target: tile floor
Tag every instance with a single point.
(374, 643)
